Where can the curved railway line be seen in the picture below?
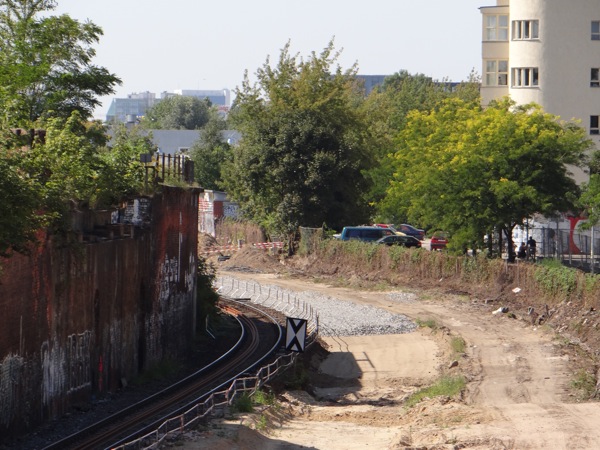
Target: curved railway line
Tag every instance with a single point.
(260, 338)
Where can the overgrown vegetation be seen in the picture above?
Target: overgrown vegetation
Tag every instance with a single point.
(53, 159)
(547, 282)
(554, 279)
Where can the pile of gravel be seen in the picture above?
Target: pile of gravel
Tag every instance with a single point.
(337, 317)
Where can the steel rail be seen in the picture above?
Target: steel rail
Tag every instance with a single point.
(106, 430)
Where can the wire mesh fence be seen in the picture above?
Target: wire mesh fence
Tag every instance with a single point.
(573, 248)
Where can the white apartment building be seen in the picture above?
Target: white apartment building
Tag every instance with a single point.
(547, 52)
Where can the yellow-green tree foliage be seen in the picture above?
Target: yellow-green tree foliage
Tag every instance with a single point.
(470, 170)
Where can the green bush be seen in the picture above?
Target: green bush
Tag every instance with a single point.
(243, 404)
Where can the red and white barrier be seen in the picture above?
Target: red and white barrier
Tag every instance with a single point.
(232, 248)
(268, 245)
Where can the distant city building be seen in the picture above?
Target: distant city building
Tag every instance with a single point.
(132, 108)
(371, 81)
(172, 142)
(547, 52)
(180, 141)
(219, 98)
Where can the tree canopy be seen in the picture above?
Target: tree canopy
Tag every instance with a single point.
(48, 83)
(178, 113)
(469, 170)
(210, 153)
(46, 65)
(303, 149)
(387, 109)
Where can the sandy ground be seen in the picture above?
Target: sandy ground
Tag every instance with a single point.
(517, 397)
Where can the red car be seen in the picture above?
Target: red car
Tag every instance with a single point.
(439, 240)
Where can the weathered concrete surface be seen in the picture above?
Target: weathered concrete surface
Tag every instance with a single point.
(79, 318)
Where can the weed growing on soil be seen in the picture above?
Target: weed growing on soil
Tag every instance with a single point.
(585, 383)
(458, 344)
(554, 278)
(445, 386)
(243, 404)
(264, 398)
(429, 323)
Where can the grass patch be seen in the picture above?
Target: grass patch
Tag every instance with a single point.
(458, 344)
(428, 323)
(445, 386)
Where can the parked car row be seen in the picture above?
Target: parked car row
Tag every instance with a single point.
(390, 234)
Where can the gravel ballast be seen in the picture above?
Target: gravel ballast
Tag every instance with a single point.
(336, 317)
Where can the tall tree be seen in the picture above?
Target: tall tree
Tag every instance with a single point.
(46, 65)
(210, 153)
(387, 109)
(470, 171)
(303, 150)
(178, 113)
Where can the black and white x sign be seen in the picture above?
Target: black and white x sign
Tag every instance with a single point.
(295, 336)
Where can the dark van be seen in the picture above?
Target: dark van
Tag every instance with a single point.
(369, 234)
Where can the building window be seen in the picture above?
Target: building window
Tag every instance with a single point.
(525, 77)
(595, 77)
(594, 125)
(496, 28)
(525, 29)
(596, 30)
(496, 73)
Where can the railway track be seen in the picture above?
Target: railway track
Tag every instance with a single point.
(260, 338)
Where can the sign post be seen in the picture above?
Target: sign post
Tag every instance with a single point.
(295, 335)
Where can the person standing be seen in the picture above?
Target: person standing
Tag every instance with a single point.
(531, 247)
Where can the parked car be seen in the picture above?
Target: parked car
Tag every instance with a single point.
(369, 234)
(439, 240)
(389, 227)
(409, 230)
(405, 241)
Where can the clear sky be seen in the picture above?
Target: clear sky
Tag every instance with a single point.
(163, 45)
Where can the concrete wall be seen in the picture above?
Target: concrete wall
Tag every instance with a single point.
(78, 319)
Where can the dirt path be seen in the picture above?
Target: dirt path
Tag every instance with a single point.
(517, 397)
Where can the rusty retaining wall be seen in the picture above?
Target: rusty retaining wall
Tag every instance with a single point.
(78, 320)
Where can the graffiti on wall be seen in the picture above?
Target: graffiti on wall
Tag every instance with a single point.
(231, 210)
(136, 212)
(66, 368)
(79, 360)
(11, 373)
